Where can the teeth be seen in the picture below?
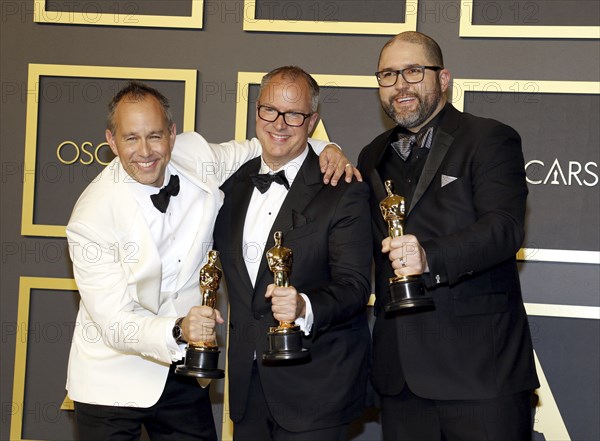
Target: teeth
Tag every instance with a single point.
(145, 164)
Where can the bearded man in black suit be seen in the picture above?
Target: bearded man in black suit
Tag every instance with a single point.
(464, 370)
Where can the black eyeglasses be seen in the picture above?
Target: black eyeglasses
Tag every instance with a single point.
(413, 74)
(292, 119)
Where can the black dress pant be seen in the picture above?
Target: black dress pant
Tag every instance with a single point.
(259, 424)
(408, 417)
(182, 413)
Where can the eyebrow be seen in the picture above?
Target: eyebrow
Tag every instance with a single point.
(153, 132)
(406, 67)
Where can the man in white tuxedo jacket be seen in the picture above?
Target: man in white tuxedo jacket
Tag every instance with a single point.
(137, 264)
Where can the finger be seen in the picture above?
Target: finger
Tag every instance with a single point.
(328, 159)
(207, 311)
(396, 253)
(349, 171)
(269, 292)
(284, 291)
(329, 173)
(385, 245)
(357, 175)
(218, 317)
(324, 160)
(340, 170)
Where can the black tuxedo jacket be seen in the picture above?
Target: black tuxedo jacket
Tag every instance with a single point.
(468, 213)
(328, 229)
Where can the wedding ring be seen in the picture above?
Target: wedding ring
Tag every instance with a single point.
(348, 165)
(402, 262)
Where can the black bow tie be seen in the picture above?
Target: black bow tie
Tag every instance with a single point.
(264, 181)
(161, 199)
(406, 142)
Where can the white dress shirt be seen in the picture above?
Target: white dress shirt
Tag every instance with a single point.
(166, 229)
(261, 214)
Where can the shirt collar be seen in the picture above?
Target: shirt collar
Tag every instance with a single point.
(291, 168)
(142, 192)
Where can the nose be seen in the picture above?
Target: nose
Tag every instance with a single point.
(279, 123)
(144, 148)
(401, 83)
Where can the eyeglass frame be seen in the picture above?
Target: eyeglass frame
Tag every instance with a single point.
(400, 72)
(305, 115)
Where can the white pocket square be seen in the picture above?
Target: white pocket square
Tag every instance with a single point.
(447, 179)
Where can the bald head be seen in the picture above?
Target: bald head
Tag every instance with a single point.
(432, 49)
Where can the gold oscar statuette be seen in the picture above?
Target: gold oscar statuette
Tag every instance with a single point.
(202, 358)
(285, 340)
(406, 292)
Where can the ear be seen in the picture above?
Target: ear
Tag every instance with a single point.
(110, 139)
(313, 122)
(444, 76)
(172, 135)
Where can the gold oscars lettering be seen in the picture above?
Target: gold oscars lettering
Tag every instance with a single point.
(68, 152)
(406, 292)
(202, 358)
(285, 340)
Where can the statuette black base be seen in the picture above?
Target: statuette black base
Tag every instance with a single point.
(285, 344)
(408, 293)
(201, 363)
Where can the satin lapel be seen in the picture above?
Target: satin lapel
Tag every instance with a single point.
(307, 184)
(239, 198)
(137, 250)
(198, 249)
(439, 148)
(378, 193)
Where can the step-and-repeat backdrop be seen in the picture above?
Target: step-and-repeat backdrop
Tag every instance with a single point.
(531, 64)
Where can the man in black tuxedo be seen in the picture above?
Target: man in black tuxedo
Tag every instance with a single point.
(465, 370)
(328, 229)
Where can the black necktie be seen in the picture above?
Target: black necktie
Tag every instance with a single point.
(161, 199)
(406, 142)
(264, 181)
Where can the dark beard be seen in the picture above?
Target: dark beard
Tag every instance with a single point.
(424, 111)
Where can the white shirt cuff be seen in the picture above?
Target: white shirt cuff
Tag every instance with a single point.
(306, 322)
(319, 145)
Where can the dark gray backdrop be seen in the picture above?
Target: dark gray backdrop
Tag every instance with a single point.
(561, 126)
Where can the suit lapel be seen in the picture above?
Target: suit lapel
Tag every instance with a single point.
(439, 148)
(378, 193)
(136, 246)
(240, 196)
(442, 141)
(307, 184)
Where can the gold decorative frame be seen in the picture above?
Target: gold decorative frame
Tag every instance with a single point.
(245, 79)
(461, 85)
(193, 21)
(26, 284)
(188, 76)
(468, 29)
(251, 23)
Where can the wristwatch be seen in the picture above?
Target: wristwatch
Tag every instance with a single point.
(177, 331)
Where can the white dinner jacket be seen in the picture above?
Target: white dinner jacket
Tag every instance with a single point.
(119, 353)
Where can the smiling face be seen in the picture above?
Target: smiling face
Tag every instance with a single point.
(412, 105)
(142, 139)
(282, 143)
